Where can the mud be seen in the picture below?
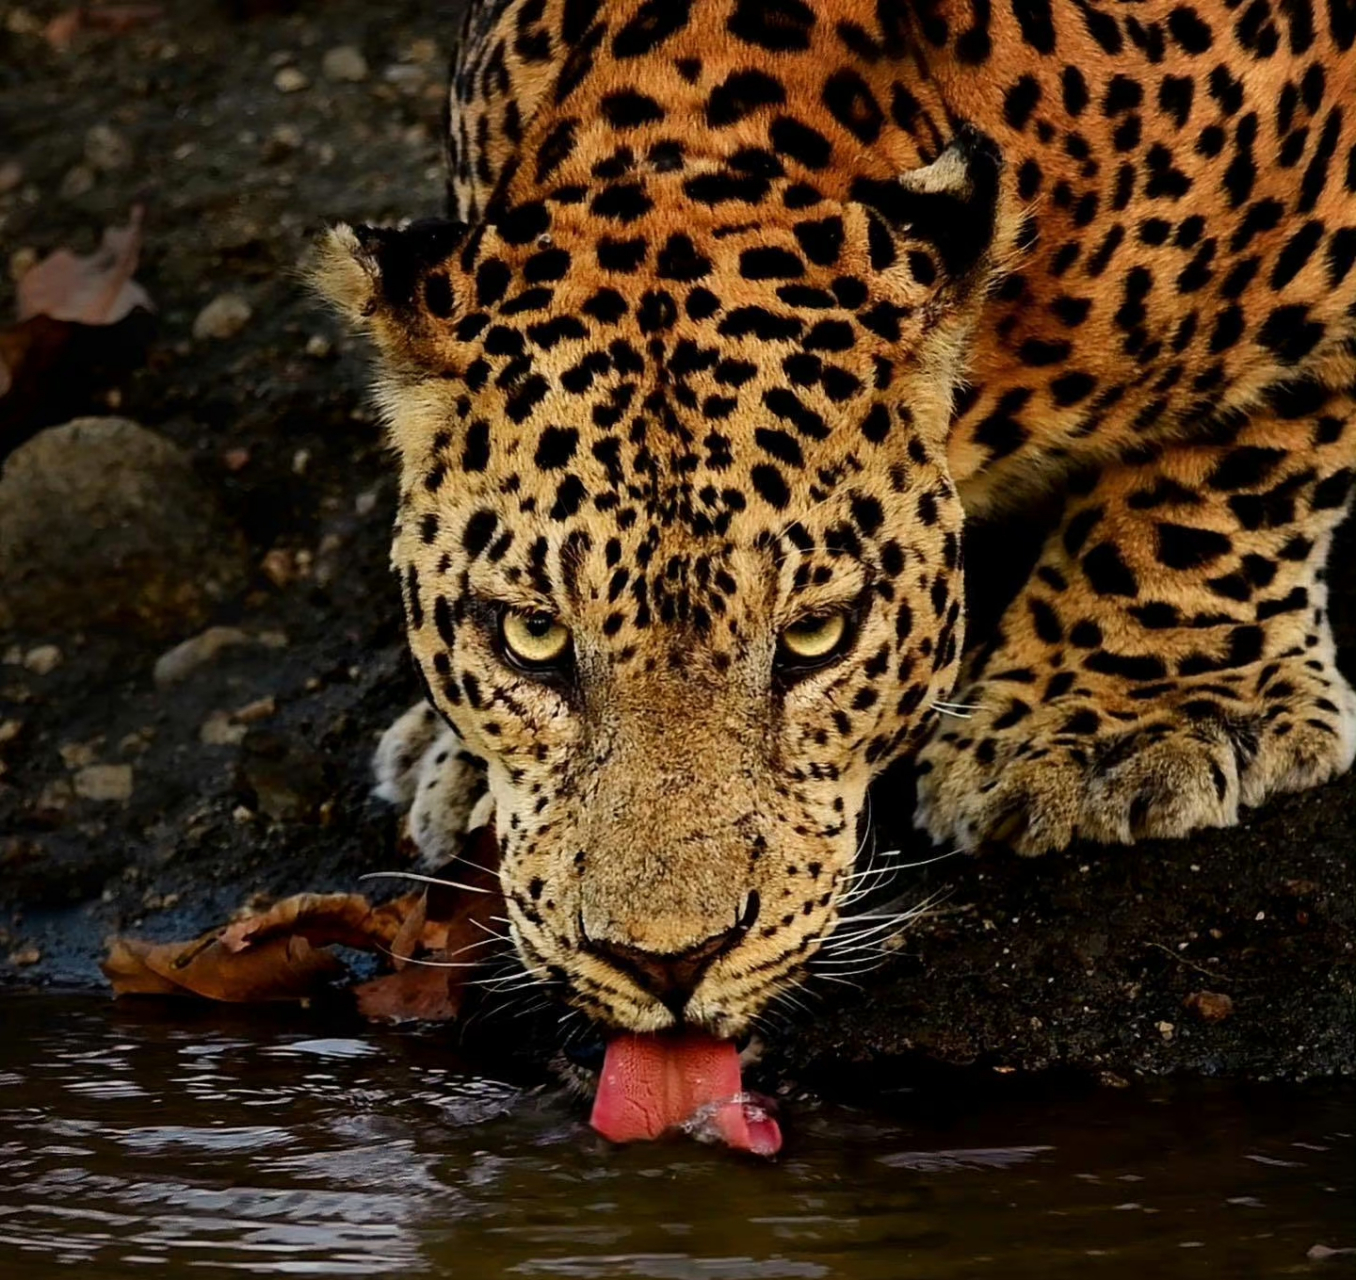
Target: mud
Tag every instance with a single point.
(1083, 961)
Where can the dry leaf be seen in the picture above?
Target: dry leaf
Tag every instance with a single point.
(430, 937)
(281, 969)
(94, 289)
(420, 994)
(79, 319)
(113, 18)
(323, 919)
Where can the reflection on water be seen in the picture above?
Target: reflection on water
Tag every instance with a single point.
(186, 1142)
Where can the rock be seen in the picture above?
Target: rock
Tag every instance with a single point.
(228, 728)
(221, 730)
(26, 956)
(55, 796)
(223, 317)
(111, 782)
(407, 78)
(197, 651)
(105, 525)
(42, 660)
(291, 80)
(9, 731)
(279, 566)
(421, 50)
(284, 141)
(77, 755)
(22, 261)
(106, 149)
(344, 64)
(253, 712)
(79, 181)
(1209, 1006)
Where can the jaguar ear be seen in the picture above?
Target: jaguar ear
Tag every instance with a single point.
(395, 282)
(939, 223)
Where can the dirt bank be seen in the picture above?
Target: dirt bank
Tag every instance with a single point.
(128, 805)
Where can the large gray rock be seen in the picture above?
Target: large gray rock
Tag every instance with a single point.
(103, 524)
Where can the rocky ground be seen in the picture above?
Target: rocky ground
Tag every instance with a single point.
(246, 501)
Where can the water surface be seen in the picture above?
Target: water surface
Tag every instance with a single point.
(180, 1141)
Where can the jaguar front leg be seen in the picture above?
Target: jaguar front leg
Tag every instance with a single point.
(422, 766)
(1170, 658)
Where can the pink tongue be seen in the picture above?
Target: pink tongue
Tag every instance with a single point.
(651, 1084)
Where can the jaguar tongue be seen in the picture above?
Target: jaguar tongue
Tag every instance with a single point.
(652, 1084)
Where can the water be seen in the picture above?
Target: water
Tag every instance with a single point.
(180, 1141)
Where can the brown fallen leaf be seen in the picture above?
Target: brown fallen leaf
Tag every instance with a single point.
(113, 18)
(430, 938)
(281, 969)
(81, 319)
(323, 919)
(95, 288)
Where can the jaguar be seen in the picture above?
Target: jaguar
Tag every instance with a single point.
(740, 312)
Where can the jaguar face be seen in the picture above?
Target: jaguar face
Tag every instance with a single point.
(680, 559)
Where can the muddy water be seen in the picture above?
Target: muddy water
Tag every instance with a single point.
(138, 1141)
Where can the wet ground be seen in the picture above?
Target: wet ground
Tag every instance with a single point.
(248, 777)
(286, 1145)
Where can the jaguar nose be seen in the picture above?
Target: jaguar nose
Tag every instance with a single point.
(670, 978)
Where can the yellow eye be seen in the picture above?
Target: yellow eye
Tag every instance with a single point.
(534, 639)
(814, 638)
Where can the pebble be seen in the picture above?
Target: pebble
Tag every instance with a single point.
(77, 755)
(221, 730)
(1209, 1006)
(43, 660)
(291, 80)
(55, 796)
(279, 566)
(1165, 1029)
(9, 730)
(137, 742)
(24, 956)
(109, 782)
(284, 141)
(344, 63)
(228, 728)
(253, 712)
(223, 317)
(79, 181)
(407, 77)
(106, 149)
(318, 347)
(421, 50)
(185, 658)
(22, 261)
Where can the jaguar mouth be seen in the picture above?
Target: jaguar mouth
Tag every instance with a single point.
(646, 1086)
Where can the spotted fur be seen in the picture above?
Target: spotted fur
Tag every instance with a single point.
(743, 307)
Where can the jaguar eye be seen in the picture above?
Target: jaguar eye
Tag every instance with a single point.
(533, 639)
(813, 640)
